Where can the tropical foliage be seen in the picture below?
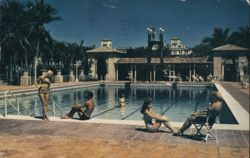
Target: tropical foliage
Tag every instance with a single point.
(23, 37)
(221, 37)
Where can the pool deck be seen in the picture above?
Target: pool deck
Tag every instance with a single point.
(72, 138)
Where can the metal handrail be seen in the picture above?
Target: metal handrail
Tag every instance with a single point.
(54, 107)
(9, 93)
(18, 104)
(5, 103)
(53, 111)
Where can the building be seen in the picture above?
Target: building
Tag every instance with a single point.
(104, 59)
(177, 48)
(231, 62)
(226, 63)
(111, 64)
(106, 43)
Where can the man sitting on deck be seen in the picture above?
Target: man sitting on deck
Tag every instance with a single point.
(83, 114)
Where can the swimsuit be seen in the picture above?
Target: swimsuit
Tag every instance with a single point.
(86, 114)
(149, 123)
(122, 101)
(45, 86)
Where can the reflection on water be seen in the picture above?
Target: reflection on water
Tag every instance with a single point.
(177, 103)
(123, 111)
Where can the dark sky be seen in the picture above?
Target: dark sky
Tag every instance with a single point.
(125, 21)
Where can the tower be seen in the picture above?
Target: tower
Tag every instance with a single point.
(152, 41)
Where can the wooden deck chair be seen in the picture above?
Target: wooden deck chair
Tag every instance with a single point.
(207, 121)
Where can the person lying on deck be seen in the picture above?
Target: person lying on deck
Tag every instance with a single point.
(84, 111)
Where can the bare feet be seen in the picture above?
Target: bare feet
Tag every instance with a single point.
(66, 117)
(46, 118)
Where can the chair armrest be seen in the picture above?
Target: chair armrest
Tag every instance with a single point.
(200, 113)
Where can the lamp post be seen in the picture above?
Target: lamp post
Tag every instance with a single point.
(77, 64)
(37, 61)
(19, 71)
(161, 42)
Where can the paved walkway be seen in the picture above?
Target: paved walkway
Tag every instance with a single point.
(22, 138)
(53, 86)
(240, 94)
(38, 139)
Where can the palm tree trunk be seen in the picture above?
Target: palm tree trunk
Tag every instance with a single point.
(11, 68)
(25, 55)
(0, 61)
(37, 48)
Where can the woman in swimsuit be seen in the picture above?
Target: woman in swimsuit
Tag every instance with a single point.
(44, 91)
(149, 115)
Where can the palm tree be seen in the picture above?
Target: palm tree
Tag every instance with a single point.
(219, 37)
(11, 18)
(22, 30)
(244, 37)
(38, 14)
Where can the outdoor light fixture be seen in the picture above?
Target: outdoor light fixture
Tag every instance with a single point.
(149, 29)
(77, 64)
(37, 61)
(161, 29)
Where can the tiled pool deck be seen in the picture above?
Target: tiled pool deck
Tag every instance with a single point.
(36, 138)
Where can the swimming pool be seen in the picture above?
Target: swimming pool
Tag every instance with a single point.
(176, 103)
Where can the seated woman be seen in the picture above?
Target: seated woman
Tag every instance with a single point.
(122, 101)
(149, 115)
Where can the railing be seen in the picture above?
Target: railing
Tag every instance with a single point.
(19, 105)
(8, 94)
(55, 105)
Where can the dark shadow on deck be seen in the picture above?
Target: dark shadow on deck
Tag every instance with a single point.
(147, 131)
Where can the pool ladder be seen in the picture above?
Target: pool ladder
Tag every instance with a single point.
(8, 94)
(55, 105)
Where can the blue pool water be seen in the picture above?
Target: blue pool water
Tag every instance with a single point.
(177, 103)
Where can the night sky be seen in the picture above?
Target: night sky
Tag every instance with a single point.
(125, 21)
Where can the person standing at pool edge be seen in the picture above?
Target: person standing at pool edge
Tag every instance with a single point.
(44, 91)
(149, 115)
(83, 114)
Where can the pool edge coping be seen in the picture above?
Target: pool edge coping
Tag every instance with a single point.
(240, 114)
(118, 122)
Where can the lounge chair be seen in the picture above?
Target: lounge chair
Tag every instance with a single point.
(208, 122)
